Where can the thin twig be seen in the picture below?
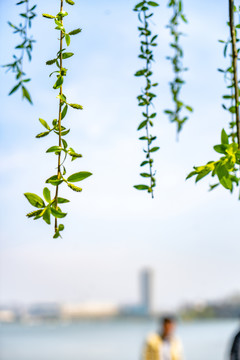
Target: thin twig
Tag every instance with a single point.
(146, 93)
(59, 122)
(234, 64)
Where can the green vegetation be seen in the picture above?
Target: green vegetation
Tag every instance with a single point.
(145, 99)
(62, 149)
(175, 115)
(226, 169)
(25, 47)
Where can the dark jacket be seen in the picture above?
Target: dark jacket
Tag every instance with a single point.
(235, 350)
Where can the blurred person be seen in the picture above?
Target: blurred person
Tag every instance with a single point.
(164, 345)
(235, 349)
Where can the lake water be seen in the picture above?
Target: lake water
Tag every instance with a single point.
(109, 340)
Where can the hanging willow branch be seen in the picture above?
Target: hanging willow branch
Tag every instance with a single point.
(177, 114)
(62, 149)
(145, 99)
(227, 167)
(25, 46)
(234, 67)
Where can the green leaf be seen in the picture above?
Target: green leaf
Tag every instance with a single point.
(59, 24)
(189, 108)
(202, 174)
(44, 123)
(14, 88)
(72, 153)
(153, 3)
(145, 162)
(61, 227)
(192, 173)
(180, 6)
(40, 135)
(67, 55)
(79, 176)
(222, 172)
(140, 72)
(58, 83)
(57, 213)
(74, 187)
(53, 73)
(154, 38)
(34, 213)
(226, 182)
(141, 187)
(232, 109)
(213, 186)
(153, 115)
(155, 148)
(184, 18)
(62, 97)
(35, 200)
(76, 106)
(143, 124)
(145, 175)
(64, 112)
(48, 16)
(47, 194)
(75, 32)
(140, 4)
(228, 96)
(221, 149)
(57, 234)
(65, 132)
(62, 200)
(224, 137)
(68, 39)
(50, 62)
(47, 216)
(70, 2)
(54, 149)
(26, 94)
(40, 215)
(54, 180)
(64, 143)
(61, 14)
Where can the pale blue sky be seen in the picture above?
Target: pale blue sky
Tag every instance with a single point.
(188, 236)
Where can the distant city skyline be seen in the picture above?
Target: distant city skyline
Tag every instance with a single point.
(190, 237)
(227, 308)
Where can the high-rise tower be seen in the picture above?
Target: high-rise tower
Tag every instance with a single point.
(146, 283)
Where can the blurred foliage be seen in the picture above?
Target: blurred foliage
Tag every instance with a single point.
(25, 47)
(176, 115)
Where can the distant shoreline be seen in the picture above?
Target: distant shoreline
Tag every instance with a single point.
(59, 320)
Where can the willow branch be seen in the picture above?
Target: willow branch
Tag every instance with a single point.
(147, 106)
(234, 64)
(59, 121)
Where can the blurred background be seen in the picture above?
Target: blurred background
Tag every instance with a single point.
(124, 259)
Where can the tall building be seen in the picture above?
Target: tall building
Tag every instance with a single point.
(146, 284)
(144, 306)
